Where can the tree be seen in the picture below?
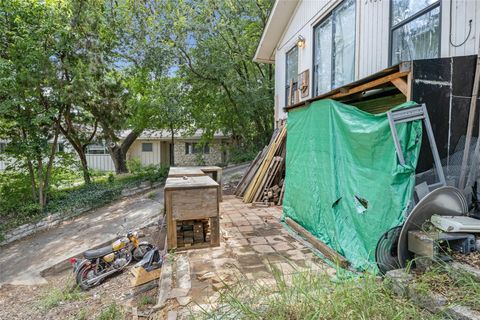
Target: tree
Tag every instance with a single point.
(30, 111)
(216, 41)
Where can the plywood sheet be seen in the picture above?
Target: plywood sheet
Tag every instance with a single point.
(194, 204)
(190, 183)
(185, 171)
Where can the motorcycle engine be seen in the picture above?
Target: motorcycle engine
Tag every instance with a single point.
(119, 263)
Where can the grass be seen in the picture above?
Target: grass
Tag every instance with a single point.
(145, 301)
(111, 312)
(54, 296)
(313, 295)
(151, 195)
(459, 287)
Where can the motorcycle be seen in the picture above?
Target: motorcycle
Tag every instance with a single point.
(101, 263)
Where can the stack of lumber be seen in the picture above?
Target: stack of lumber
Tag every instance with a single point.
(263, 181)
(190, 232)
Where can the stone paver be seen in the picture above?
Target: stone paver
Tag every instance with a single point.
(253, 242)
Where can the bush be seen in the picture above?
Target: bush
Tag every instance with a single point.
(111, 312)
(242, 154)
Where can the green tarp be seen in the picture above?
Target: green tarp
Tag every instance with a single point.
(344, 183)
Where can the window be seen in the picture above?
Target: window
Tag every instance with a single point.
(60, 147)
(291, 76)
(147, 147)
(3, 145)
(195, 148)
(334, 49)
(96, 148)
(415, 30)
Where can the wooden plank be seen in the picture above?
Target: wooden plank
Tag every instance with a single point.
(171, 224)
(401, 85)
(244, 180)
(194, 204)
(215, 231)
(190, 183)
(370, 85)
(319, 245)
(185, 171)
(471, 120)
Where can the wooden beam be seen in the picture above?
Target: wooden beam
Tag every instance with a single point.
(319, 245)
(370, 85)
(401, 85)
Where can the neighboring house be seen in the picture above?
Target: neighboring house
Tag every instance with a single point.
(154, 148)
(321, 45)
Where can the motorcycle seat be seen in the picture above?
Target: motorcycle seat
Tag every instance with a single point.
(97, 253)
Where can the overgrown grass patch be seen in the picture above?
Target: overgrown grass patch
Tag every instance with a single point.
(111, 312)
(459, 287)
(54, 296)
(314, 295)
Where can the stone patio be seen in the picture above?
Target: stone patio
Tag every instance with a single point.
(253, 240)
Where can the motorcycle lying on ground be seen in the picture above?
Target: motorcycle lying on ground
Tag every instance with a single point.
(101, 263)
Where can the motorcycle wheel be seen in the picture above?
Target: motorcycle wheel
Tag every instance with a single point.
(83, 275)
(140, 251)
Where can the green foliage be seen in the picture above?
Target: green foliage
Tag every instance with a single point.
(242, 154)
(111, 312)
(54, 296)
(313, 295)
(145, 301)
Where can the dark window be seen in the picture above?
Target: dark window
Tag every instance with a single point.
(147, 147)
(60, 147)
(3, 145)
(334, 49)
(195, 148)
(415, 32)
(291, 75)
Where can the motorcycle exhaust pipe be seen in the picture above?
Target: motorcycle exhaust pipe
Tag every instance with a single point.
(102, 276)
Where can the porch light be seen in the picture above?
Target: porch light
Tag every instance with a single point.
(301, 41)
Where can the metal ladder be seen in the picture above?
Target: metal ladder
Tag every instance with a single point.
(418, 112)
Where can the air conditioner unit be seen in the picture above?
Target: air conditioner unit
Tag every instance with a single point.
(456, 223)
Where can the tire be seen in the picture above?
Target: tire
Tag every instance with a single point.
(140, 251)
(81, 277)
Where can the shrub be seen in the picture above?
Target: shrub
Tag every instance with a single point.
(111, 312)
(54, 296)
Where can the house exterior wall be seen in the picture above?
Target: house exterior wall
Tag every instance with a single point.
(214, 157)
(372, 37)
(146, 157)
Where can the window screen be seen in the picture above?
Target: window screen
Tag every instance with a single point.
(291, 74)
(415, 31)
(334, 49)
(147, 147)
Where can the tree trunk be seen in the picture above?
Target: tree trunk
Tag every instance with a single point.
(119, 152)
(83, 162)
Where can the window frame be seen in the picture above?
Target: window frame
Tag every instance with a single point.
(195, 149)
(413, 17)
(97, 147)
(147, 143)
(321, 22)
(287, 85)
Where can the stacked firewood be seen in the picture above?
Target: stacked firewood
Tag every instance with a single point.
(263, 180)
(190, 232)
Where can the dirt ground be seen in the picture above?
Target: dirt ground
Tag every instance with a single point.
(31, 302)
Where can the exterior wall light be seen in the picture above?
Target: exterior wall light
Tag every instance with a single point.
(300, 41)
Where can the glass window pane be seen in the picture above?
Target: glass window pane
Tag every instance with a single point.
(323, 57)
(292, 66)
(147, 147)
(419, 39)
(402, 9)
(344, 44)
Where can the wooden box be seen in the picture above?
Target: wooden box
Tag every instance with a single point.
(192, 198)
(213, 171)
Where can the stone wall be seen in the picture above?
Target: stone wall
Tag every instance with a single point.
(214, 157)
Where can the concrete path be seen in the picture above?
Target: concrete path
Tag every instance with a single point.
(23, 261)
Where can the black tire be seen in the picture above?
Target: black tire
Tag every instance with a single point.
(140, 251)
(81, 277)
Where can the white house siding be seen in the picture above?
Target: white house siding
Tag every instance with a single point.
(146, 158)
(372, 37)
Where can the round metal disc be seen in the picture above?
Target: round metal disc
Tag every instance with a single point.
(444, 201)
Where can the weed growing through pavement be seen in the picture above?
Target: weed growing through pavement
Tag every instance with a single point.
(145, 300)
(54, 296)
(313, 295)
(111, 312)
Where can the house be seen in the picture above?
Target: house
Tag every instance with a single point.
(318, 46)
(155, 148)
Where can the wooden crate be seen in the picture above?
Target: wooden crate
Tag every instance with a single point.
(213, 171)
(189, 200)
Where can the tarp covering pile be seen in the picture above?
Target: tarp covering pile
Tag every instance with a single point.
(344, 183)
